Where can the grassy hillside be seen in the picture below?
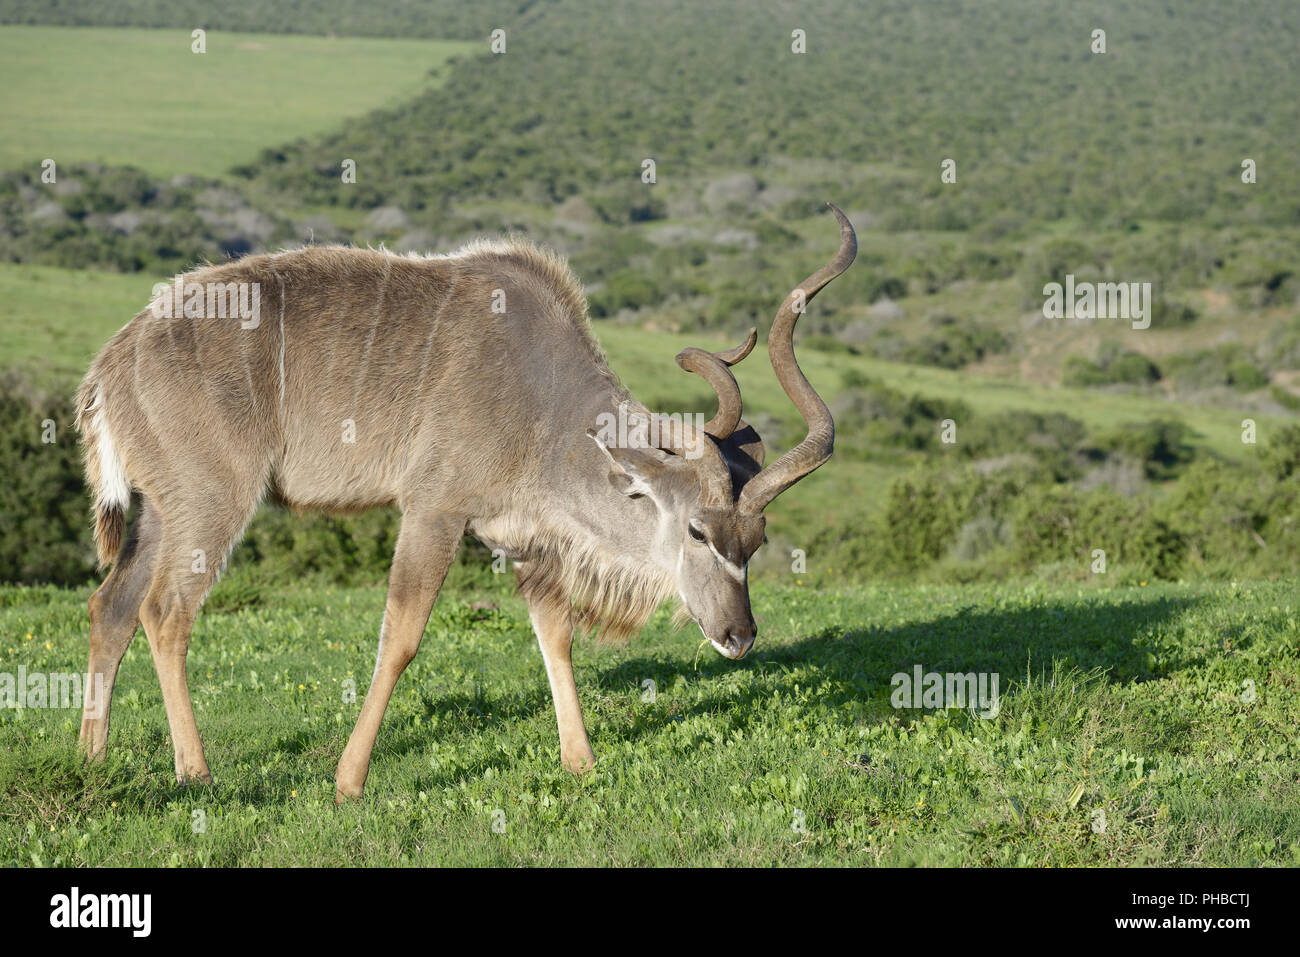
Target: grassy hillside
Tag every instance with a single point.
(1147, 726)
(55, 320)
(142, 98)
(1122, 165)
(455, 19)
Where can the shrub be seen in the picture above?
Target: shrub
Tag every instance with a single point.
(1050, 262)
(1281, 453)
(870, 416)
(1227, 365)
(1114, 365)
(1284, 398)
(888, 287)
(625, 289)
(1281, 348)
(46, 533)
(628, 203)
(955, 343)
(979, 538)
(1053, 439)
(920, 520)
(1061, 524)
(1160, 445)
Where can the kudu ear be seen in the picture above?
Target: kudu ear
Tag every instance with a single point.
(632, 470)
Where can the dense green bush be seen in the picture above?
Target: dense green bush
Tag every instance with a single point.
(1061, 524)
(625, 203)
(1114, 365)
(1241, 523)
(953, 343)
(121, 219)
(1226, 365)
(1281, 347)
(627, 289)
(1056, 441)
(1051, 261)
(950, 522)
(737, 305)
(1161, 445)
(952, 517)
(45, 535)
(870, 416)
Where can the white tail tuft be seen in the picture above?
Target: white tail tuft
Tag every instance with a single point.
(107, 475)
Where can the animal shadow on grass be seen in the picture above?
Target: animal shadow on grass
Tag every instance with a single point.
(852, 665)
(857, 665)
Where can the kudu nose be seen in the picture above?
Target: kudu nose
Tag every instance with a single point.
(739, 641)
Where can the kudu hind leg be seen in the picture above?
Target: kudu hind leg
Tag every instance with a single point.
(189, 561)
(426, 546)
(114, 615)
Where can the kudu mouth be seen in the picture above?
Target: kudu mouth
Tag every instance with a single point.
(734, 647)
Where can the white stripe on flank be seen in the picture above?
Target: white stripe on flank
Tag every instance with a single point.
(281, 282)
(433, 330)
(359, 379)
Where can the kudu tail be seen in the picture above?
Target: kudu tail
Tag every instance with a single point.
(104, 471)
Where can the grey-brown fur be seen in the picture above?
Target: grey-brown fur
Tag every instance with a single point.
(468, 419)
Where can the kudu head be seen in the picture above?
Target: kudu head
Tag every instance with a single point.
(709, 487)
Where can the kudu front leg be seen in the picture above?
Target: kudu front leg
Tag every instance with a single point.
(553, 623)
(426, 546)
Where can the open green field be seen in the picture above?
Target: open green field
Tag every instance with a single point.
(142, 98)
(54, 320)
(1136, 726)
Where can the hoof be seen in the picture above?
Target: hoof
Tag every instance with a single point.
(578, 763)
(347, 792)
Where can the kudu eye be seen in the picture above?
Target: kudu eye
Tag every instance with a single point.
(696, 534)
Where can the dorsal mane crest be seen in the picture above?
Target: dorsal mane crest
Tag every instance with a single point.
(542, 263)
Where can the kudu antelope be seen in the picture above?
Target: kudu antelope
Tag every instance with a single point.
(373, 379)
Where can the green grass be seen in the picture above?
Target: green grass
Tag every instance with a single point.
(141, 97)
(53, 321)
(1125, 703)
